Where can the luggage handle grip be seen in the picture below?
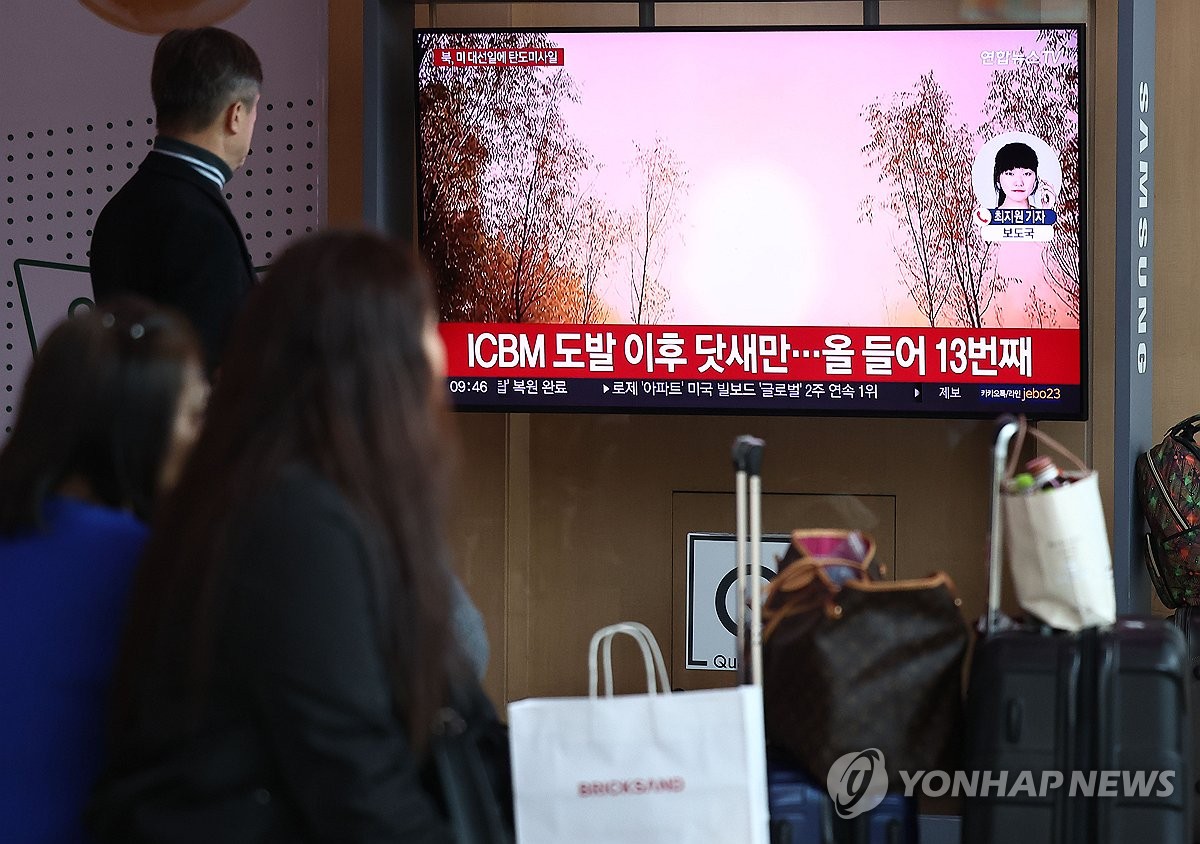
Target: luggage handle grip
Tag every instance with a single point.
(747, 454)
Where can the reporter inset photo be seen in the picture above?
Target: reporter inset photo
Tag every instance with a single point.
(1017, 178)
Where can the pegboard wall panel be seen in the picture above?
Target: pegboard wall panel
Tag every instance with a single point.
(59, 169)
(57, 180)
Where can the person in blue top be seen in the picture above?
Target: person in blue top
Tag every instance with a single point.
(110, 406)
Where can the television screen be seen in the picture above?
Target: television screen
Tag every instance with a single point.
(804, 221)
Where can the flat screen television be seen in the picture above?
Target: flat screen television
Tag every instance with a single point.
(835, 221)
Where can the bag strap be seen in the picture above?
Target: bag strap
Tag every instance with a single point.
(798, 578)
(1046, 439)
(804, 571)
(1188, 427)
(652, 657)
(1184, 434)
(471, 800)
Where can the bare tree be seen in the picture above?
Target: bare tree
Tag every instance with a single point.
(538, 198)
(1042, 99)
(924, 285)
(1038, 312)
(899, 152)
(598, 235)
(924, 160)
(464, 115)
(663, 184)
(500, 197)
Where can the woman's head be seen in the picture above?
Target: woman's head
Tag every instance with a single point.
(334, 362)
(108, 408)
(1015, 174)
(342, 327)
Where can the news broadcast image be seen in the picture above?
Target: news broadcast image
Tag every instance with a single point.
(796, 221)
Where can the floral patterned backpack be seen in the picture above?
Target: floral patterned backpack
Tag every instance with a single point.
(1168, 487)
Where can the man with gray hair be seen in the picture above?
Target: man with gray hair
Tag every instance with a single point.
(169, 234)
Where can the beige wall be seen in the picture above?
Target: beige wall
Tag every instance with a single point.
(567, 522)
(1176, 253)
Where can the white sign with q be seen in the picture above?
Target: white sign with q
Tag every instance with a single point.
(712, 596)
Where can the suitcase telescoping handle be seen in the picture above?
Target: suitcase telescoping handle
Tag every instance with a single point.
(1006, 428)
(747, 464)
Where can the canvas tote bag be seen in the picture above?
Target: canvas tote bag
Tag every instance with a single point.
(654, 767)
(1058, 546)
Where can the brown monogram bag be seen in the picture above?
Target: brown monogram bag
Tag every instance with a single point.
(851, 663)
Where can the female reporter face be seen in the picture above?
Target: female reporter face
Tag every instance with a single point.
(1018, 185)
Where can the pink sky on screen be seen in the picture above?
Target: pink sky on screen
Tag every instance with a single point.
(769, 127)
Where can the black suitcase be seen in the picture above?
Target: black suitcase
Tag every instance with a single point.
(1103, 710)
(1187, 619)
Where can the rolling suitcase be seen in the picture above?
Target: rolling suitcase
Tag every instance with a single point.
(894, 821)
(801, 810)
(1187, 619)
(1074, 738)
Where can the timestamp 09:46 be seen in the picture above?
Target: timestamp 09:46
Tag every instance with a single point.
(468, 385)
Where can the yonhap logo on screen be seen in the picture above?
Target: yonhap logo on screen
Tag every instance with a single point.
(857, 782)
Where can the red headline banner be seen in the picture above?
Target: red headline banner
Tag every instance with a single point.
(766, 353)
(498, 57)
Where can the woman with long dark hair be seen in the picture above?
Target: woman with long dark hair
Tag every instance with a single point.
(290, 646)
(111, 404)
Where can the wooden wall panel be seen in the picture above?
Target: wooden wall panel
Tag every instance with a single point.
(601, 517)
(343, 140)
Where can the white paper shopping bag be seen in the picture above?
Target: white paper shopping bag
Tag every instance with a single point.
(684, 767)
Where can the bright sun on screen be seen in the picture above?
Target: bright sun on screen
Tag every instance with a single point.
(750, 245)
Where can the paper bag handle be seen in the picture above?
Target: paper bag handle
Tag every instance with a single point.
(651, 657)
(1043, 437)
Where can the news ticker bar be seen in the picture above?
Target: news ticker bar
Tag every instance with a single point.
(644, 394)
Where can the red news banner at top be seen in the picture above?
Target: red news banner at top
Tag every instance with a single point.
(768, 353)
(499, 57)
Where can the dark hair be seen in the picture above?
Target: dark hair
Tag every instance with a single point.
(1009, 157)
(197, 73)
(327, 367)
(99, 403)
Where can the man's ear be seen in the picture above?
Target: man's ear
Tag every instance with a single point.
(234, 121)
